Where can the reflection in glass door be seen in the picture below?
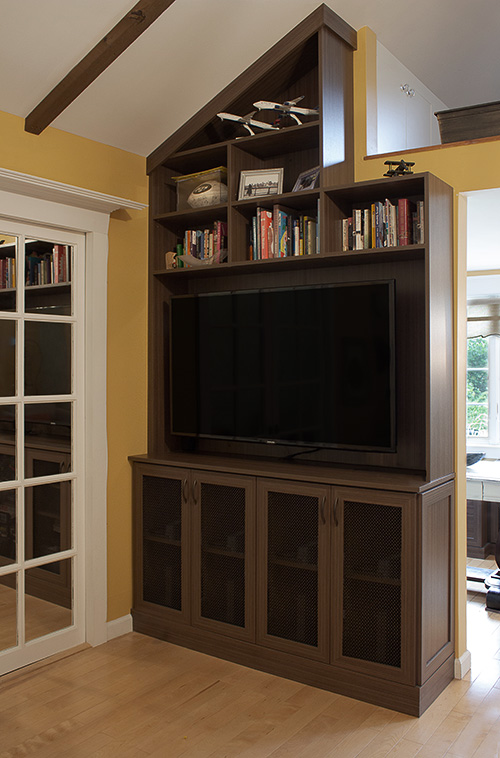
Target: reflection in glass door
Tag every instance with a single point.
(41, 428)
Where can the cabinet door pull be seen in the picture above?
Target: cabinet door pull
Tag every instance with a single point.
(322, 510)
(185, 492)
(335, 507)
(195, 496)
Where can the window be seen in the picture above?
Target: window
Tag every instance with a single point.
(483, 376)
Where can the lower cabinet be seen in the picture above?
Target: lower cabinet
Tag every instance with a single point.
(292, 572)
(293, 568)
(374, 577)
(195, 547)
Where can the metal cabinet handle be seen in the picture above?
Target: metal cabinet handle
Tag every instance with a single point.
(335, 507)
(185, 491)
(195, 495)
(322, 510)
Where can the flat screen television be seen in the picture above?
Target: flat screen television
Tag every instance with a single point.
(310, 365)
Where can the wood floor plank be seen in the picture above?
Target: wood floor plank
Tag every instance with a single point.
(138, 697)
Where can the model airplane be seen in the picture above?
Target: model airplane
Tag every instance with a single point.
(247, 121)
(288, 108)
(401, 168)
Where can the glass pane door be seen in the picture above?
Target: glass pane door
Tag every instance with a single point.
(41, 428)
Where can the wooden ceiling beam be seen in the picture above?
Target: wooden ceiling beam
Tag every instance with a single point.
(126, 31)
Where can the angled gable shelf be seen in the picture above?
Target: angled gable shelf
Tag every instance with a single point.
(314, 61)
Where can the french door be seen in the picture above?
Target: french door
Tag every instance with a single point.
(41, 442)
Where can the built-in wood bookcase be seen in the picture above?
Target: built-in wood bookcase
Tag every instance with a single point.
(318, 570)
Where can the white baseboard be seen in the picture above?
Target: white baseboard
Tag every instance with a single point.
(120, 626)
(462, 665)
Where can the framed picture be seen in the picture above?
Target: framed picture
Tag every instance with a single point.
(260, 183)
(306, 180)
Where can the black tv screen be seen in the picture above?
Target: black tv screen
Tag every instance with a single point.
(311, 366)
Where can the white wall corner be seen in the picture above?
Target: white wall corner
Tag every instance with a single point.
(119, 627)
(462, 665)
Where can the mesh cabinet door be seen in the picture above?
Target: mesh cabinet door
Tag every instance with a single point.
(223, 509)
(374, 566)
(161, 536)
(293, 568)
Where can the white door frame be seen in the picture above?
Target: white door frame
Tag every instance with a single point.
(32, 199)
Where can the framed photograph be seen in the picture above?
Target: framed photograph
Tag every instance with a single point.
(306, 180)
(260, 183)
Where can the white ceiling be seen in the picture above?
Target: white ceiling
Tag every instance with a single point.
(198, 46)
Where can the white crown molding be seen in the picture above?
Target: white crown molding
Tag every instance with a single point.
(57, 192)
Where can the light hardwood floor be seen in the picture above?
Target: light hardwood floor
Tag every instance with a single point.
(138, 697)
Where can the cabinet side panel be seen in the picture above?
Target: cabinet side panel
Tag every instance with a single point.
(440, 329)
(437, 556)
(336, 109)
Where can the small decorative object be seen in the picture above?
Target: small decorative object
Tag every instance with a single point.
(247, 121)
(288, 108)
(171, 259)
(402, 168)
(191, 261)
(260, 183)
(208, 193)
(202, 189)
(306, 180)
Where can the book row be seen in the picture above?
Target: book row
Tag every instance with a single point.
(49, 268)
(40, 268)
(7, 273)
(281, 232)
(205, 243)
(384, 224)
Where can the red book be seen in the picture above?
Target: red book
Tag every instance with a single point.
(266, 233)
(404, 221)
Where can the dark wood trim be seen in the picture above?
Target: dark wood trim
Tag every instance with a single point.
(295, 471)
(121, 36)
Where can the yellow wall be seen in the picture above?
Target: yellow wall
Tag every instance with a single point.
(73, 160)
(465, 167)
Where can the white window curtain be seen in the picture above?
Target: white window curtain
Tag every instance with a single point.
(483, 318)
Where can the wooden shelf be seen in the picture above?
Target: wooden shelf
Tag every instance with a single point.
(42, 288)
(295, 200)
(292, 564)
(226, 553)
(194, 216)
(320, 260)
(372, 579)
(162, 540)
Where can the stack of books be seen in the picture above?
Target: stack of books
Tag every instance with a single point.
(206, 242)
(281, 232)
(48, 268)
(384, 224)
(7, 273)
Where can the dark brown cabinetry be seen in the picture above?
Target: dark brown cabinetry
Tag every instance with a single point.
(294, 567)
(295, 571)
(335, 569)
(195, 533)
(482, 528)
